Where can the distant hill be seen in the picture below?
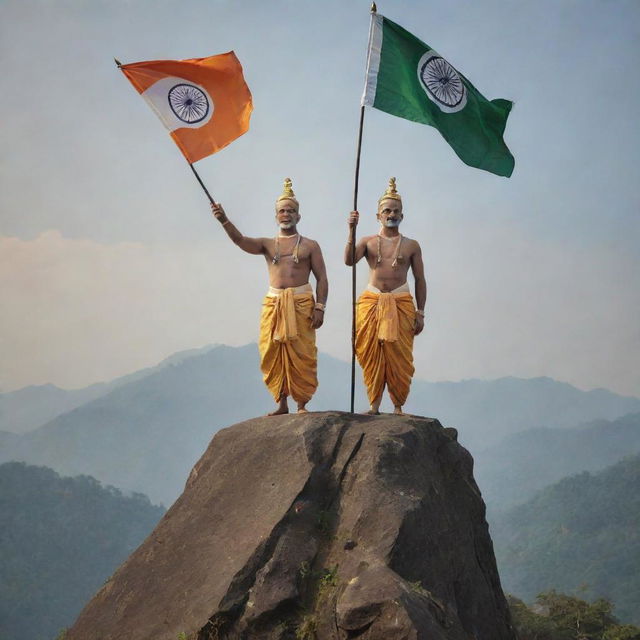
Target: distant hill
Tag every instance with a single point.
(522, 464)
(146, 434)
(486, 411)
(580, 535)
(8, 440)
(31, 407)
(60, 539)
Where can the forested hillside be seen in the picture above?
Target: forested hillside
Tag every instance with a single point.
(60, 539)
(579, 535)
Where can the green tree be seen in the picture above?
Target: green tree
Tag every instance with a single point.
(622, 632)
(579, 619)
(556, 616)
(528, 624)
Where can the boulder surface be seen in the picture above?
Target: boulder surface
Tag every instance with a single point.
(319, 526)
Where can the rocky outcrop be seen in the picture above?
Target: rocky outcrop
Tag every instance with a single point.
(321, 526)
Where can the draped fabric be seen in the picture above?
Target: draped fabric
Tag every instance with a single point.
(288, 354)
(384, 343)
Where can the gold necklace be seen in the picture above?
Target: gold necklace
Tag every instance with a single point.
(396, 255)
(276, 257)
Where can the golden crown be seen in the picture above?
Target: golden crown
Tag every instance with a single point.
(391, 192)
(287, 192)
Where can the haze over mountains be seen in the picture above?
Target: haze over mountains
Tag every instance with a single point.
(26, 409)
(145, 433)
(524, 463)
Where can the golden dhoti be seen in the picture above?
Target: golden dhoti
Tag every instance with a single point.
(288, 354)
(384, 342)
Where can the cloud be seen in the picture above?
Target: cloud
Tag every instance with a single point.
(76, 311)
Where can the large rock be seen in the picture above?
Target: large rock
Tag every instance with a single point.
(324, 525)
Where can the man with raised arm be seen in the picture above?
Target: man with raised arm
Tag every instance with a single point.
(290, 316)
(387, 319)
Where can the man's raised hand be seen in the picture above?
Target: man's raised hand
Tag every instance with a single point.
(218, 212)
(354, 216)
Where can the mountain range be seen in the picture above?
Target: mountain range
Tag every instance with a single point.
(522, 464)
(29, 408)
(147, 430)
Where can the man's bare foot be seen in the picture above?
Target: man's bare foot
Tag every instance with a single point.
(374, 408)
(302, 408)
(398, 411)
(283, 407)
(279, 411)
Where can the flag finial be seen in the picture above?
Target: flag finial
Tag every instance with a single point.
(118, 63)
(374, 9)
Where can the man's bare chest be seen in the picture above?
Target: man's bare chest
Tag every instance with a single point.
(288, 250)
(387, 253)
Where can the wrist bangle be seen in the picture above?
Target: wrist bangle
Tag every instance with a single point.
(420, 312)
(226, 222)
(320, 307)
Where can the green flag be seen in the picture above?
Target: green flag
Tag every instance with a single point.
(407, 78)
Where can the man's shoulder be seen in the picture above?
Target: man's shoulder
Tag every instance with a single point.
(309, 241)
(411, 242)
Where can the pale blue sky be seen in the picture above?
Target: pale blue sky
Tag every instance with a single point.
(109, 260)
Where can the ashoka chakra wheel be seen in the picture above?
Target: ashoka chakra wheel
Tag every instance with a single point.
(188, 103)
(442, 82)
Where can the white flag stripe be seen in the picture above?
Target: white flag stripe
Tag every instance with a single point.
(373, 60)
(157, 97)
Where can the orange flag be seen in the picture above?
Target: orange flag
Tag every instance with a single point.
(204, 102)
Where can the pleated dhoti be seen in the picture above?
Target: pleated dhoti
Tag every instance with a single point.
(384, 342)
(288, 354)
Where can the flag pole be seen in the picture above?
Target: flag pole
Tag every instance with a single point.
(353, 249)
(353, 263)
(195, 173)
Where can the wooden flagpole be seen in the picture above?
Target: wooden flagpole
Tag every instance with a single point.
(195, 173)
(352, 237)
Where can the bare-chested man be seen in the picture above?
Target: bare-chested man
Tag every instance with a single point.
(386, 319)
(290, 317)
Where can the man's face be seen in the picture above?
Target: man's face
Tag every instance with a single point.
(287, 215)
(390, 212)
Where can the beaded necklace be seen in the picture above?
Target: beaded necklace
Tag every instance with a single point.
(276, 257)
(396, 255)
